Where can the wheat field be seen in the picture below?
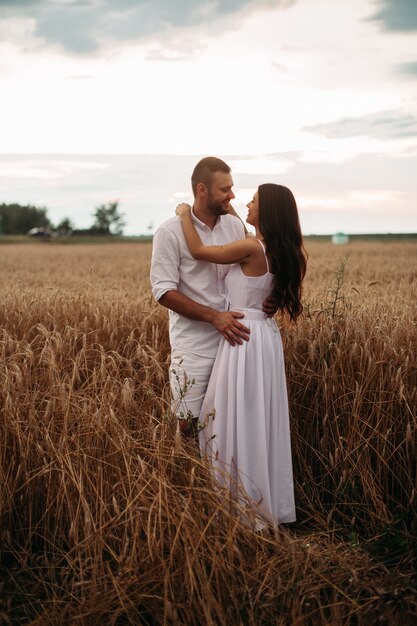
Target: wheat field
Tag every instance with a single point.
(108, 516)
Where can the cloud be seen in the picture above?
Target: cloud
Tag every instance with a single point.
(408, 68)
(79, 77)
(19, 3)
(85, 26)
(279, 67)
(397, 15)
(382, 125)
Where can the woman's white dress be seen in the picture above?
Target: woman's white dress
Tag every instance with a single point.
(244, 419)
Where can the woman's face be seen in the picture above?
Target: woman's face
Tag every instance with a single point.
(253, 211)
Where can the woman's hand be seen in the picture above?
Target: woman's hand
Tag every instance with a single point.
(182, 209)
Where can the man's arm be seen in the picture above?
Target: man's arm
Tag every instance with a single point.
(165, 278)
(225, 322)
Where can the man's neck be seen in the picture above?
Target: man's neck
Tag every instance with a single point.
(205, 216)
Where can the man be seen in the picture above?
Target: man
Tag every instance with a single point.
(193, 291)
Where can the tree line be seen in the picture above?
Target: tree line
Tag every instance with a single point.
(17, 219)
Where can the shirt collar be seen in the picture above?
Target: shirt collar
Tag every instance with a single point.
(202, 224)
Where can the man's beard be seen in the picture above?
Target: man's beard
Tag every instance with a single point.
(216, 207)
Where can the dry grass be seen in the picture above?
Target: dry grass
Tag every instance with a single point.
(107, 517)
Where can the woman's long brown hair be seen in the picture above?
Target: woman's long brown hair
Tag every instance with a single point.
(280, 227)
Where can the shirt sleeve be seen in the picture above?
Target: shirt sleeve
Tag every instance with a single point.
(165, 263)
(238, 227)
(241, 230)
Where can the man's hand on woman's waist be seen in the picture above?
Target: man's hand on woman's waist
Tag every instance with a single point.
(228, 325)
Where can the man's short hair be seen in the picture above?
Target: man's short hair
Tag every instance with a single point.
(205, 170)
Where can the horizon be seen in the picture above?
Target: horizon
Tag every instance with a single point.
(148, 188)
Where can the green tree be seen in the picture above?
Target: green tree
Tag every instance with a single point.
(17, 219)
(65, 227)
(108, 220)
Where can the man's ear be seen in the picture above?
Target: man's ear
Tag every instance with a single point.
(201, 190)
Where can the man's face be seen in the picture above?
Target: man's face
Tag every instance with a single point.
(220, 193)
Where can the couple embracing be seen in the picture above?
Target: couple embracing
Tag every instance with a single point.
(227, 372)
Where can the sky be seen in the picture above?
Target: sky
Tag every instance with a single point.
(107, 100)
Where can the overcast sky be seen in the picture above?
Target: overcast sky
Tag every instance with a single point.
(320, 95)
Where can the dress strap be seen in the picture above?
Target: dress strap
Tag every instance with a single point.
(266, 258)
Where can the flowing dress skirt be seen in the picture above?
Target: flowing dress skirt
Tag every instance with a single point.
(245, 421)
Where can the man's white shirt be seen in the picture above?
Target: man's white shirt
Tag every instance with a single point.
(173, 268)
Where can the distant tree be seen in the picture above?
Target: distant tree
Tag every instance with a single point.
(108, 220)
(65, 227)
(17, 219)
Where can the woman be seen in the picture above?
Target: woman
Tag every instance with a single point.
(245, 420)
